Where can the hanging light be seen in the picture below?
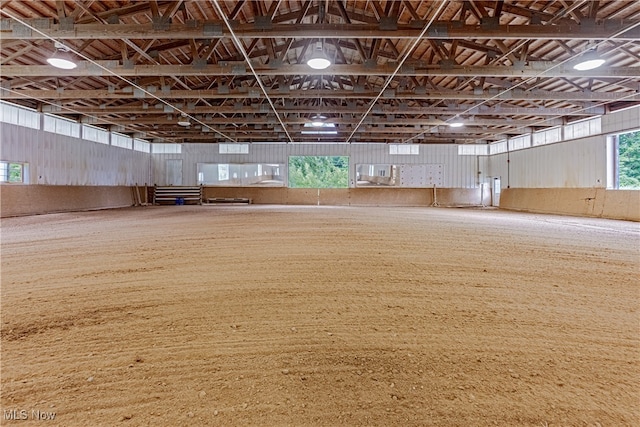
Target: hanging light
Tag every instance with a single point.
(62, 58)
(456, 123)
(317, 120)
(589, 61)
(183, 120)
(318, 60)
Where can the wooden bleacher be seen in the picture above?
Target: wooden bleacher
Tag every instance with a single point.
(176, 195)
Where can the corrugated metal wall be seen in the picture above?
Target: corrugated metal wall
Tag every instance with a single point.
(621, 121)
(571, 164)
(579, 163)
(459, 171)
(62, 160)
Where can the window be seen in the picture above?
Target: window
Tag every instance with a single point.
(92, 133)
(11, 172)
(9, 113)
(318, 172)
(61, 126)
(141, 145)
(240, 174)
(166, 148)
(625, 167)
(122, 141)
(547, 136)
(473, 150)
(19, 116)
(30, 119)
(583, 128)
(519, 142)
(411, 149)
(223, 172)
(498, 147)
(233, 148)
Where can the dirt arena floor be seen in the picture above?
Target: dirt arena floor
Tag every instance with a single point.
(319, 316)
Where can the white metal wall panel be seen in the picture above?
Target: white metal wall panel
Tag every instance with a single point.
(621, 121)
(62, 160)
(457, 171)
(572, 164)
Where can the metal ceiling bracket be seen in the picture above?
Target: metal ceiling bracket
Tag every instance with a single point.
(238, 69)
(161, 23)
(275, 63)
(263, 23)
(20, 30)
(370, 64)
(438, 29)
(212, 29)
(490, 23)
(407, 69)
(45, 23)
(519, 65)
(447, 64)
(199, 63)
(388, 23)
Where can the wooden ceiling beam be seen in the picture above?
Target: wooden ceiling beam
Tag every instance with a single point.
(422, 110)
(524, 12)
(418, 69)
(441, 30)
(21, 52)
(345, 16)
(141, 118)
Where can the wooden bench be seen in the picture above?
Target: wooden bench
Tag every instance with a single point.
(223, 200)
(177, 195)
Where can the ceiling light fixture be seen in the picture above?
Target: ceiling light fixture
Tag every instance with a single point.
(589, 61)
(183, 120)
(457, 123)
(317, 120)
(318, 60)
(62, 58)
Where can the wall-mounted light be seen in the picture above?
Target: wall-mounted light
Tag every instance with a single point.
(62, 58)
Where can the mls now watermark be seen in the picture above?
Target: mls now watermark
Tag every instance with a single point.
(23, 415)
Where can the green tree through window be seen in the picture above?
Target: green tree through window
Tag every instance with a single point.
(11, 172)
(318, 172)
(629, 160)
